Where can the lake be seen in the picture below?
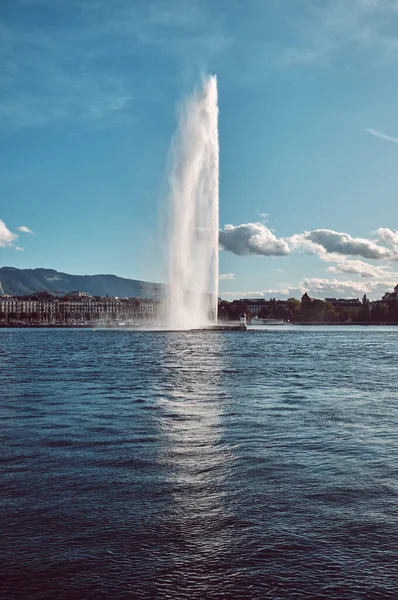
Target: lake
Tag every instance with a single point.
(220, 465)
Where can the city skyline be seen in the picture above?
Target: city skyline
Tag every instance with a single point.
(308, 138)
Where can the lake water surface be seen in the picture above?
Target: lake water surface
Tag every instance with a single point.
(219, 465)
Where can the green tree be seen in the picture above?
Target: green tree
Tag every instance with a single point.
(294, 309)
(362, 315)
(329, 313)
(379, 313)
(272, 310)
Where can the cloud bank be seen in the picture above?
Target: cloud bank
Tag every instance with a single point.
(327, 241)
(342, 250)
(319, 288)
(332, 246)
(252, 238)
(361, 268)
(388, 236)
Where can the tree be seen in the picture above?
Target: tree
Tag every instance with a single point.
(379, 312)
(344, 315)
(329, 312)
(307, 308)
(363, 314)
(272, 308)
(294, 309)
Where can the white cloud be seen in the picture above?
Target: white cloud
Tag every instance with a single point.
(282, 292)
(361, 268)
(24, 229)
(19, 248)
(373, 279)
(320, 288)
(301, 242)
(382, 136)
(252, 238)
(223, 276)
(322, 241)
(329, 245)
(6, 236)
(388, 236)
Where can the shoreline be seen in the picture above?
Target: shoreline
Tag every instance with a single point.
(344, 323)
(217, 328)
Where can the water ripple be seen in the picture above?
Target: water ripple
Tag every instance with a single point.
(224, 466)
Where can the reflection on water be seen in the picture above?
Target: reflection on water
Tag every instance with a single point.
(195, 455)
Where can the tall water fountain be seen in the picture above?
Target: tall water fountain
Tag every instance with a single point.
(193, 213)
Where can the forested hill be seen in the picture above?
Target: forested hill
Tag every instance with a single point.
(26, 281)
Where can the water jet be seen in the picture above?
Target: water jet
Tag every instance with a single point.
(192, 295)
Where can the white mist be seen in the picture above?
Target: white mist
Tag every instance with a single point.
(193, 227)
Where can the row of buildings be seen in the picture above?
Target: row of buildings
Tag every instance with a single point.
(314, 310)
(79, 308)
(76, 308)
(260, 306)
(256, 306)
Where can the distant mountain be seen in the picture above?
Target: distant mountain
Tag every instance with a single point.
(27, 281)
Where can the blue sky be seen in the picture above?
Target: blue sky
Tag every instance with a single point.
(308, 137)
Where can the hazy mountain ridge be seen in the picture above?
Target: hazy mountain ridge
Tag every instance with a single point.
(26, 281)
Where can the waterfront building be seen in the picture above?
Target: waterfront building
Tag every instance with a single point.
(256, 306)
(76, 308)
(347, 303)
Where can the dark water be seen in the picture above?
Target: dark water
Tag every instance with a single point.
(181, 465)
